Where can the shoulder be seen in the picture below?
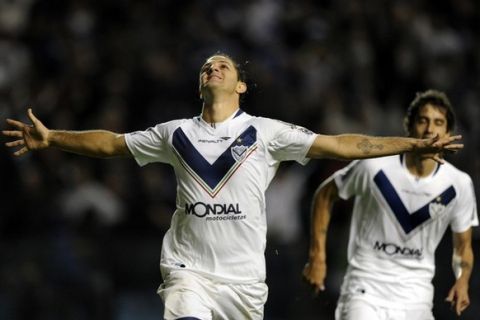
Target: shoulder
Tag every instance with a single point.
(375, 164)
(456, 175)
(172, 125)
(273, 126)
(159, 131)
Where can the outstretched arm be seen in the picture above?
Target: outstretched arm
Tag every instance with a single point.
(462, 264)
(94, 143)
(315, 270)
(355, 146)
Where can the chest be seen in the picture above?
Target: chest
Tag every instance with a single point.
(413, 203)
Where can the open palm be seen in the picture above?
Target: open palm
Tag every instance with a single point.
(31, 137)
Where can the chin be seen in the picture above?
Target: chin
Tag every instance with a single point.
(426, 156)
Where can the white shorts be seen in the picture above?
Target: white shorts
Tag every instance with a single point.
(354, 308)
(188, 294)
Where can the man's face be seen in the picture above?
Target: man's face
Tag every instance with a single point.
(430, 121)
(219, 73)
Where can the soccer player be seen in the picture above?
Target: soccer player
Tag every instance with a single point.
(403, 206)
(212, 259)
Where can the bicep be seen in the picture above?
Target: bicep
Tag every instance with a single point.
(324, 146)
(119, 146)
(327, 190)
(325, 196)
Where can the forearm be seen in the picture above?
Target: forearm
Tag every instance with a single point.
(93, 143)
(463, 255)
(463, 264)
(356, 146)
(360, 146)
(323, 201)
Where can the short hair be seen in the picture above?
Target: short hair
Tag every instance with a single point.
(435, 98)
(241, 71)
(240, 67)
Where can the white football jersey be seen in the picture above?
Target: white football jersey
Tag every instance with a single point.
(397, 223)
(222, 171)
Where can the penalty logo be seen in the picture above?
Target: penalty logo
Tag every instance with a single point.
(239, 153)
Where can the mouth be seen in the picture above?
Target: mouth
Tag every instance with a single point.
(214, 77)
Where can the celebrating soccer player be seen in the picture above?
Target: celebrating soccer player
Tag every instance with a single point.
(212, 260)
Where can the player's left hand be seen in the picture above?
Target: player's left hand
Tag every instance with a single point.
(438, 146)
(458, 296)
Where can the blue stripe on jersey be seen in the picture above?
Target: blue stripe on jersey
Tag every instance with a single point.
(407, 220)
(239, 112)
(211, 174)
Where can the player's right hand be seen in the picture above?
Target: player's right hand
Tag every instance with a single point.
(314, 273)
(31, 137)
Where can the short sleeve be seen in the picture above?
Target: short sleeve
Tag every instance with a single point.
(465, 211)
(150, 145)
(289, 142)
(351, 180)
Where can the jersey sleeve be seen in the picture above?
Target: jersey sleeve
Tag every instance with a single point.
(288, 142)
(351, 180)
(150, 145)
(465, 210)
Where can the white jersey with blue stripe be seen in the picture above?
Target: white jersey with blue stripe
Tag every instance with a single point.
(397, 223)
(222, 171)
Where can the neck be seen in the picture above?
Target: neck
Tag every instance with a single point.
(420, 166)
(219, 110)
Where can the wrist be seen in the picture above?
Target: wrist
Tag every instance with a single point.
(52, 138)
(317, 257)
(415, 144)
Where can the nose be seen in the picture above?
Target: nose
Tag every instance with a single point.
(430, 126)
(213, 67)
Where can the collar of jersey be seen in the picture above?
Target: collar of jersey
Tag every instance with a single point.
(403, 162)
(218, 125)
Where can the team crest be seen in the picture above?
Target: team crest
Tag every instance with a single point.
(436, 209)
(239, 153)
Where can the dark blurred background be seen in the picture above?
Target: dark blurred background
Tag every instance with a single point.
(80, 238)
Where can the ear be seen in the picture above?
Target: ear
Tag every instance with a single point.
(241, 87)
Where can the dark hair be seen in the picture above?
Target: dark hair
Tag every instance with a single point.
(433, 97)
(241, 71)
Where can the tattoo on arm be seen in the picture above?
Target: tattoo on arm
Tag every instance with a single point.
(366, 146)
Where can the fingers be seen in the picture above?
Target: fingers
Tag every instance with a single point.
(15, 143)
(457, 137)
(461, 305)
(437, 142)
(12, 133)
(317, 288)
(16, 124)
(312, 281)
(450, 297)
(458, 301)
(31, 116)
(453, 147)
(21, 152)
(438, 159)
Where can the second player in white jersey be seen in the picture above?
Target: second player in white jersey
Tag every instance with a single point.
(403, 206)
(397, 223)
(219, 226)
